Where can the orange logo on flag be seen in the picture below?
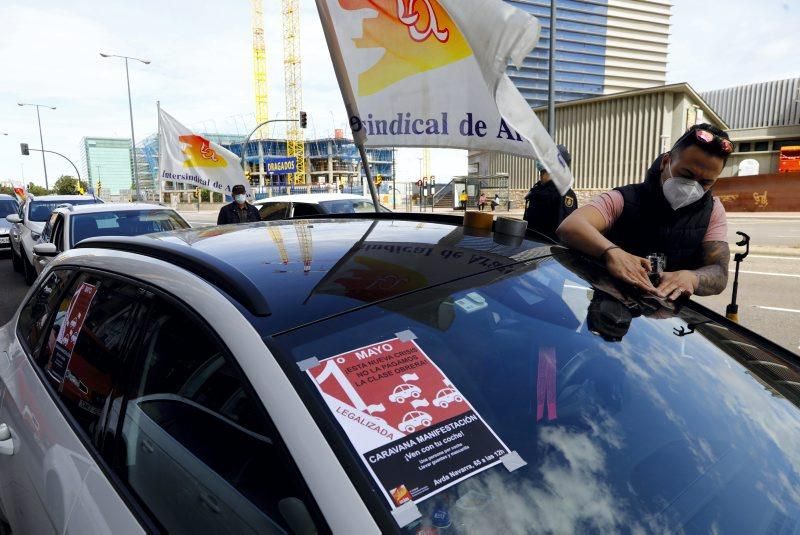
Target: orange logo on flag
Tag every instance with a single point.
(200, 153)
(416, 35)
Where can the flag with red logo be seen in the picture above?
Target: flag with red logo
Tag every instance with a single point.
(190, 158)
(432, 73)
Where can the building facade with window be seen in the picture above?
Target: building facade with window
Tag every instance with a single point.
(107, 162)
(763, 117)
(602, 47)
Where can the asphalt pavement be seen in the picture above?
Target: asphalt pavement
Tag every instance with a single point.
(12, 288)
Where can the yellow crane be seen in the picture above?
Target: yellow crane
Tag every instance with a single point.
(277, 238)
(295, 142)
(306, 244)
(259, 65)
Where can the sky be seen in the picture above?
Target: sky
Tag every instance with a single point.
(201, 69)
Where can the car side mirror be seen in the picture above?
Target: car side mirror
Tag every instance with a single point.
(13, 219)
(45, 249)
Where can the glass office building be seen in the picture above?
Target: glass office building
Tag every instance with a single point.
(602, 47)
(107, 161)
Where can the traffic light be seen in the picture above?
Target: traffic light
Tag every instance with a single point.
(23, 147)
(378, 180)
(303, 119)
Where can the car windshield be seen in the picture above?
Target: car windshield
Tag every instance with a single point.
(40, 210)
(124, 223)
(347, 206)
(7, 207)
(540, 402)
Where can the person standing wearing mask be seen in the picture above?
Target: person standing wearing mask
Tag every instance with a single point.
(239, 211)
(672, 213)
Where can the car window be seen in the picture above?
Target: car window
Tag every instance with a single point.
(34, 315)
(58, 233)
(197, 447)
(663, 420)
(347, 206)
(7, 207)
(123, 223)
(84, 353)
(272, 211)
(41, 210)
(302, 209)
(47, 231)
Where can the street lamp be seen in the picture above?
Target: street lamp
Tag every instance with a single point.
(130, 111)
(41, 139)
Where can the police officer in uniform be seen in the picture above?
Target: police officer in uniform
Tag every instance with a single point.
(545, 207)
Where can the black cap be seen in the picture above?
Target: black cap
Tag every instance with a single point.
(237, 189)
(567, 157)
(608, 317)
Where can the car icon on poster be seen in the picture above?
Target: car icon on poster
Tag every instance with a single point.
(403, 392)
(414, 419)
(446, 396)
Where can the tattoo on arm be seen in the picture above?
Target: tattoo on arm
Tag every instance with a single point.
(713, 276)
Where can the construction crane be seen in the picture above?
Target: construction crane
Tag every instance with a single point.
(306, 245)
(293, 86)
(277, 238)
(259, 65)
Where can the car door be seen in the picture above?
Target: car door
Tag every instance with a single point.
(193, 443)
(71, 350)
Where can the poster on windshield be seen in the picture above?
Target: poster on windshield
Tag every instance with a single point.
(413, 429)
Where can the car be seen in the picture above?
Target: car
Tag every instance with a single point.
(204, 380)
(446, 396)
(70, 224)
(403, 392)
(30, 221)
(310, 204)
(415, 419)
(8, 206)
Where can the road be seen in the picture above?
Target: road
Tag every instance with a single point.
(769, 284)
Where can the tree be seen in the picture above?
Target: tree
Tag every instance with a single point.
(68, 185)
(34, 189)
(6, 190)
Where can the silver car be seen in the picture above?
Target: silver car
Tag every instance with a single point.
(237, 379)
(8, 206)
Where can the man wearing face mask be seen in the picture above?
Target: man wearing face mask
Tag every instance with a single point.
(672, 212)
(239, 211)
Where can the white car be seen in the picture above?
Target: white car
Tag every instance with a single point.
(309, 204)
(414, 419)
(30, 221)
(70, 224)
(166, 383)
(446, 396)
(403, 392)
(8, 206)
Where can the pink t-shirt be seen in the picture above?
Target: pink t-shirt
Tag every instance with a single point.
(610, 205)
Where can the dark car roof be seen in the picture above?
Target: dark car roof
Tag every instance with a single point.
(294, 272)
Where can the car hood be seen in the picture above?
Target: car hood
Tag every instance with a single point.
(36, 226)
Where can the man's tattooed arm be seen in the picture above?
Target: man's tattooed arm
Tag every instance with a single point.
(713, 276)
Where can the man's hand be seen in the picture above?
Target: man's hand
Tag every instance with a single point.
(675, 284)
(631, 269)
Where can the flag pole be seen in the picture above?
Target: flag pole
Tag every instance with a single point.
(347, 94)
(158, 144)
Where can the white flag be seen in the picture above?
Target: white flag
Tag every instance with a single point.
(431, 73)
(189, 158)
(417, 403)
(410, 377)
(372, 409)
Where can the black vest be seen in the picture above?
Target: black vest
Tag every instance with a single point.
(648, 223)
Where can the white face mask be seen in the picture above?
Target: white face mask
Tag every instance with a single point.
(240, 198)
(680, 191)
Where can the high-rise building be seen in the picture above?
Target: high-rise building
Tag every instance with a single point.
(602, 47)
(108, 161)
